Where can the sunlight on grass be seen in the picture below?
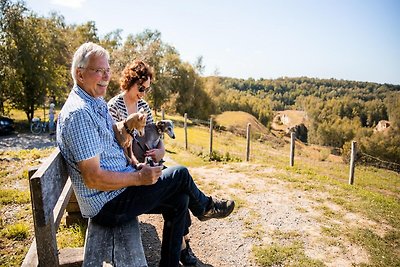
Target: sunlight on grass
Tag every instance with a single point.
(18, 231)
(380, 249)
(288, 255)
(71, 237)
(14, 196)
(29, 154)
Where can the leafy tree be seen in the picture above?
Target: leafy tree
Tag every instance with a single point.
(392, 103)
(9, 82)
(31, 42)
(146, 46)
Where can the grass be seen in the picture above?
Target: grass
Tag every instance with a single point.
(16, 225)
(18, 232)
(14, 196)
(71, 237)
(384, 251)
(284, 255)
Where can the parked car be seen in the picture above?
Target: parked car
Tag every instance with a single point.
(6, 125)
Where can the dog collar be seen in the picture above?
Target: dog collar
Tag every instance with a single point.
(127, 129)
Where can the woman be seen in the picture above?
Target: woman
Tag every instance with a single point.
(135, 83)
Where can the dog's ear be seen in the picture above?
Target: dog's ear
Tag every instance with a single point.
(160, 124)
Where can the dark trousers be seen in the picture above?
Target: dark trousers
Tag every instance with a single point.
(171, 196)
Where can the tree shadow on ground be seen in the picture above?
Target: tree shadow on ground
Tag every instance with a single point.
(152, 246)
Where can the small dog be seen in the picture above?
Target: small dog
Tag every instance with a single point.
(150, 140)
(123, 131)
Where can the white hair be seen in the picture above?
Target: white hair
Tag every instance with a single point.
(82, 55)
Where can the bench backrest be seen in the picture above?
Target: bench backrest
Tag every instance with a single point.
(50, 191)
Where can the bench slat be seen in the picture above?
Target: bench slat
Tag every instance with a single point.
(118, 246)
(47, 184)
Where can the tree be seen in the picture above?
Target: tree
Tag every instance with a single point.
(38, 57)
(392, 103)
(9, 82)
(162, 57)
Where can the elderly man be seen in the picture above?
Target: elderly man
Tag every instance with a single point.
(108, 190)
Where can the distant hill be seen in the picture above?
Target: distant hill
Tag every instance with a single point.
(236, 121)
(284, 91)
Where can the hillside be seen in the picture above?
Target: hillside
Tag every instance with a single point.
(236, 121)
(288, 118)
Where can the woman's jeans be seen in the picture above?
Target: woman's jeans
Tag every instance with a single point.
(171, 196)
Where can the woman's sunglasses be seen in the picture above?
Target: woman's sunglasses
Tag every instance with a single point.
(142, 89)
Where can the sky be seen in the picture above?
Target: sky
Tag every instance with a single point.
(356, 40)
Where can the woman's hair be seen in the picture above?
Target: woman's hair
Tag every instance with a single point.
(82, 55)
(136, 72)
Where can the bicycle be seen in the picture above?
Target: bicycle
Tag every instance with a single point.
(37, 126)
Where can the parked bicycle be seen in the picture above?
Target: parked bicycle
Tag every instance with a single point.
(38, 126)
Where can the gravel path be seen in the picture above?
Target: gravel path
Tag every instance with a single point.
(26, 141)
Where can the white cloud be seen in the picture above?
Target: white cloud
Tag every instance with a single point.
(69, 3)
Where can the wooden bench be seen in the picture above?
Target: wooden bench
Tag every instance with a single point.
(51, 189)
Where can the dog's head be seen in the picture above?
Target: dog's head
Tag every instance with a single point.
(137, 121)
(166, 126)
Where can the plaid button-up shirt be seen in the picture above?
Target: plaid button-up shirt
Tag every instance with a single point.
(84, 130)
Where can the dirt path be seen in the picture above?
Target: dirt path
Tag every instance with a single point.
(267, 213)
(26, 141)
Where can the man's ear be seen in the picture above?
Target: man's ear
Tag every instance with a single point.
(79, 75)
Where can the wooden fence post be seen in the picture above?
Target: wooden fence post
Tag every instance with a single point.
(292, 142)
(185, 128)
(248, 142)
(352, 162)
(211, 136)
(162, 118)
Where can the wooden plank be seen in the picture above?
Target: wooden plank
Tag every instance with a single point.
(62, 203)
(45, 231)
(31, 259)
(98, 245)
(49, 179)
(46, 186)
(128, 248)
(118, 246)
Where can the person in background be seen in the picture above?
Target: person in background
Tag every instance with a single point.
(51, 119)
(135, 84)
(110, 191)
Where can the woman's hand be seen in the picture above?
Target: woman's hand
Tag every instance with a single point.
(156, 154)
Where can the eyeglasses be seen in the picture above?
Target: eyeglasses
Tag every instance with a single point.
(142, 89)
(99, 71)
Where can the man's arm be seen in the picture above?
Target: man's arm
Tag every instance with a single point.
(97, 178)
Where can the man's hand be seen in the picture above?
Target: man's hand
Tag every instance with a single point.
(97, 178)
(149, 175)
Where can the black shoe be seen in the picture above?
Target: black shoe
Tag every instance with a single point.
(187, 256)
(218, 209)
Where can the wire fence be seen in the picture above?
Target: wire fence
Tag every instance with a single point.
(244, 149)
(376, 162)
